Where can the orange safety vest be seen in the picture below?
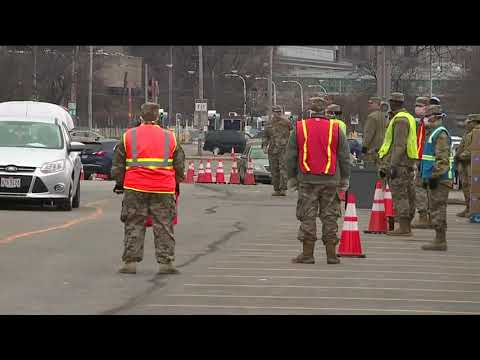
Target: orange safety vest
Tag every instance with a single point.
(317, 143)
(149, 151)
(421, 138)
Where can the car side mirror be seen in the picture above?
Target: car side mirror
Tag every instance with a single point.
(76, 147)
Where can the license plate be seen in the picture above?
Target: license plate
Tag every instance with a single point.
(10, 183)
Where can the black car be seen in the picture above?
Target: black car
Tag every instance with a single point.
(97, 157)
(221, 141)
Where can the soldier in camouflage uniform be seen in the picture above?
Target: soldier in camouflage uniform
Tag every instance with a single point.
(437, 174)
(463, 160)
(316, 194)
(137, 205)
(421, 200)
(374, 130)
(399, 168)
(276, 137)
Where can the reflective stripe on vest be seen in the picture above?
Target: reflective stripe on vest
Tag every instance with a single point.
(151, 163)
(342, 125)
(317, 140)
(412, 151)
(428, 157)
(421, 139)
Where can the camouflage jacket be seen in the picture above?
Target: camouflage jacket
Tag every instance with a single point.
(397, 156)
(343, 162)
(442, 154)
(276, 134)
(464, 151)
(120, 157)
(374, 131)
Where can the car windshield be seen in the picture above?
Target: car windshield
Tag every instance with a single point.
(258, 153)
(28, 134)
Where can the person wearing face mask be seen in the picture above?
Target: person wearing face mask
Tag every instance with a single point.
(436, 169)
(398, 157)
(422, 222)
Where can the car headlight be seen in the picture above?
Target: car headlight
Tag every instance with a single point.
(53, 167)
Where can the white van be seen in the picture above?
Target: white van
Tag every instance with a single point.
(34, 109)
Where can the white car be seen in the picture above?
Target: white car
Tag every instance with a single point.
(38, 160)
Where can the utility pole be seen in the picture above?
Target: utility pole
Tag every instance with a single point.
(200, 93)
(146, 82)
(73, 90)
(90, 88)
(431, 78)
(269, 87)
(384, 71)
(170, 89)
(35, 92)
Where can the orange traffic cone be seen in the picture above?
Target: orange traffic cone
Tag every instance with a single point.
(201, 173)
(219, 174)
(233, 153)
(249, 177)
(207, 179)
(350, 244)
(378, 222)
(82, 175)
(389, 211)
(190, 173)
(234, 178)
(149, 221)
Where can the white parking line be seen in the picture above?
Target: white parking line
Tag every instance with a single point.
(339, 270)
(309, 308)
(263, 286)
(447, 301)
(336, 278)
(356, 264)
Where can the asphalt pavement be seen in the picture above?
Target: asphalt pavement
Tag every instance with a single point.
(234, 245)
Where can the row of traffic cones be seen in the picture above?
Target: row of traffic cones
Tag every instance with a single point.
(205, 174)
(382, 214)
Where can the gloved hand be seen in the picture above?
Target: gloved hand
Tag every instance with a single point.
(433, 183)
(364, 149)
(382, 173)
(292, 184)
(344, 185)
(118, 189)
(393, 172)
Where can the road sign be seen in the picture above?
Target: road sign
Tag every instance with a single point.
(200, 116)
(354, 120)
(201, 106)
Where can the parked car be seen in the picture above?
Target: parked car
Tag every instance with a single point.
(87, 135)
(38, 160)
(97, 157)
(220, 142)
(261, 167)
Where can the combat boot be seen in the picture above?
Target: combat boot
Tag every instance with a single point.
(422, 222)
(128, 268)
(464, 213)
(331, 253)
(276, 193)
(306, 257)
(439, 243)
(167, 268)
(282, 193)
(403, 230)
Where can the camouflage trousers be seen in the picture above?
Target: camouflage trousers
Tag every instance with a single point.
(438, 199)
(465, 179)
(403, 193)
(278, 169)
(316, 199)
(136, 207)
(421, 199)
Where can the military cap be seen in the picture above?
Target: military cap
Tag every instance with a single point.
(397, 96)
(433, 110)
(473, 117)
(422, 100)
(334, 108)
(317, 103)
(277, 108)
(375, 99)
(150, 108)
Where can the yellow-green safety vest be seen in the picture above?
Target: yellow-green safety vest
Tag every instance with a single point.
(341, 124)
(412, 151)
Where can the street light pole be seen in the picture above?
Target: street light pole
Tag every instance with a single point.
(244, 96)
(35, 96)
(301, 90)
(170, 87)
(320, 86)
(200, 92)
(90, 88)
(274, 89)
